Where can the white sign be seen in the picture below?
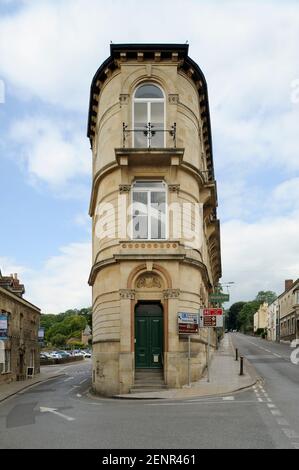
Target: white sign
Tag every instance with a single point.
(184, 317)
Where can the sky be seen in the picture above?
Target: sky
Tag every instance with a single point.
(49, 52)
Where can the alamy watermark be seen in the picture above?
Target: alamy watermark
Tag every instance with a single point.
(295, 91)
(150, 221)
(2, 91)
(295, 354)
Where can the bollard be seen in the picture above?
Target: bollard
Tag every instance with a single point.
(241, 365)
(236, 354)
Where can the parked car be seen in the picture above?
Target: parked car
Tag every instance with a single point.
(55, 355)
(63, 353)
(86, 353)
(78, 354)
(47, 354)
(43, 356)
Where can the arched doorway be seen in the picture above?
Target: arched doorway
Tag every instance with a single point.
(149, 335)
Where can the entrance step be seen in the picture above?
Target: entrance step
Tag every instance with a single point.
(148, 380)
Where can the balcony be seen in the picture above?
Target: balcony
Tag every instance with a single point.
(150, 136)
(146, 151)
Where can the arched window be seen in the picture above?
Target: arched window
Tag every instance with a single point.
(148, 116)
(149, 210)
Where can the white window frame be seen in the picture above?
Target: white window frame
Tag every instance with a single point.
(6, 365)
(149, 101)
(149, 214)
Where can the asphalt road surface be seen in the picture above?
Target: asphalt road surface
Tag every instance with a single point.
(61, 414)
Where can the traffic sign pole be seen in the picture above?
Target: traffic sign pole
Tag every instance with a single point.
(189, 360)
(208, 362)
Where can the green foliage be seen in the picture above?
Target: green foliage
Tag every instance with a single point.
(68, 324)
(58, 340)
(259, 331)
(267, 296)
(245, 317)
(232, 316)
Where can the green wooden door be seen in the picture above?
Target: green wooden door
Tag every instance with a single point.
(148, 336)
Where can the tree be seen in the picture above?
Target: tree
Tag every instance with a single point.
(58, 340)
(266, 296)
(233, 313)
(245, 317)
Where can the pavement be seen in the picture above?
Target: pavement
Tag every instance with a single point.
(47, 373)
(224, 378)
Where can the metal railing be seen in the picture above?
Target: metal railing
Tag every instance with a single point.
(149, 133)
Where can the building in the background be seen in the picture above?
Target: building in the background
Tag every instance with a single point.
(272, 321)
(19, 324)
(156, 236)
(288, 307)
(260, 319)
(86, 335)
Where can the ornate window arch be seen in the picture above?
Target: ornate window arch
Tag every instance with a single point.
(148, 116)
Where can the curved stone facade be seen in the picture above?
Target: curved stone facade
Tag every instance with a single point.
(177, 271)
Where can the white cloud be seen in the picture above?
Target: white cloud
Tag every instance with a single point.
(8, 266)
(260, 255)
(51, 151)
(248, 52)
(61, 283)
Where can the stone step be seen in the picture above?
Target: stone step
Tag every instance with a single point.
(148, 388)
(150, 380)
(149, 376)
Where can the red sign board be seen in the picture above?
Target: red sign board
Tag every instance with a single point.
(188, 328)
(209, 320)
(212, 311)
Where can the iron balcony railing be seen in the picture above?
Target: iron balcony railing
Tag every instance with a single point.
(149, 132)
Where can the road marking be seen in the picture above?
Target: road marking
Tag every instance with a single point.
(90, 403)
(79, 395)
(200, 403)
(276, 412)
(44, 409)
(271, 405)
(296, 445)
(82, 381)
(290, 433)
(282, 422)
(269, 399)
(228, 398)
(69, 378)
(277, 355)
(260, 399)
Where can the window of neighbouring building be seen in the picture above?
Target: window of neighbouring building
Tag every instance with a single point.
(149, 210)
(4, 361)
(148, 116)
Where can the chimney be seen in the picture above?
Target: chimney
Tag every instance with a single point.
(16, 275)
(288, 283)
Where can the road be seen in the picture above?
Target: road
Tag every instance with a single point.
(61, 414)
(280, 385)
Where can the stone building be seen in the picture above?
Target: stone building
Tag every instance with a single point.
(272, 320)
(288, 308)
(156, 236)
(260, 318)
(19, 323)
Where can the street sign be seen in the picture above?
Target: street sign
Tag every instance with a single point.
(218, 297)
(3, 327)
(188, 323)
(211, 318)
(212, 311)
